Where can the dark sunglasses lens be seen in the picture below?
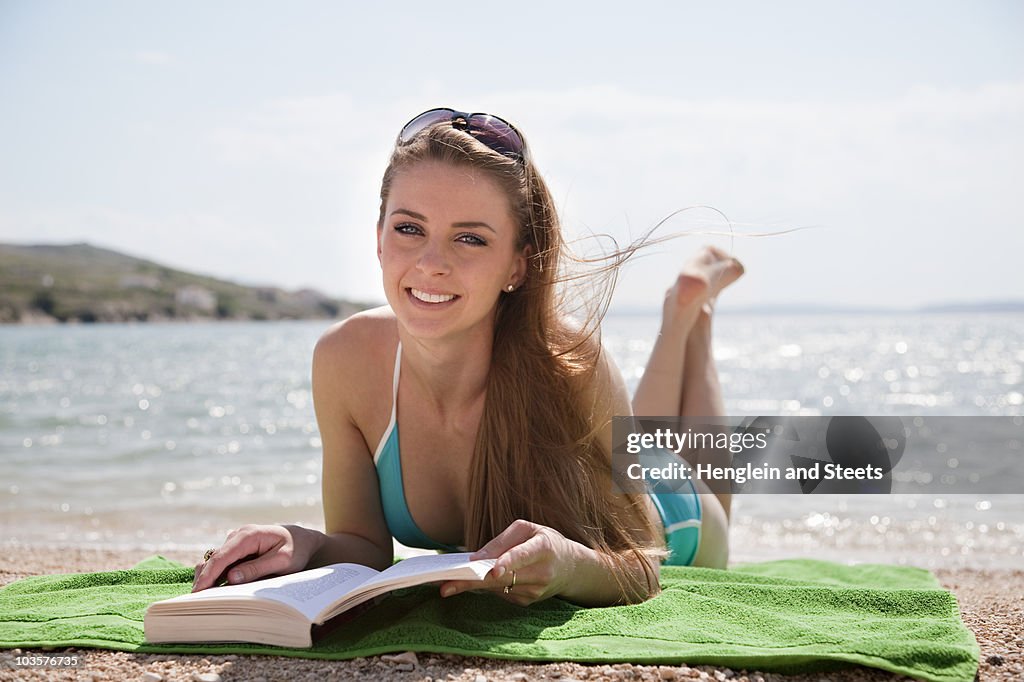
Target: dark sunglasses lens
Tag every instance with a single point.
(491, 130)
(496, 134)
(423, 121)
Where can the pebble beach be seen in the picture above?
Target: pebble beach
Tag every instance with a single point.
(991, 603)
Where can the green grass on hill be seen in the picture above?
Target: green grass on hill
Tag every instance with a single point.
(84, 283)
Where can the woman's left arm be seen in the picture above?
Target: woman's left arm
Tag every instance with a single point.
(545, 563)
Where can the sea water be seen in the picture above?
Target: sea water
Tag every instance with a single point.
(168, 435)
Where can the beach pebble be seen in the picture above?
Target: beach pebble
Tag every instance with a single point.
(406, 657)
(152, 677)
(480, 678)
(667, 673)
(995, 659)
(205, 677)
(518, 677)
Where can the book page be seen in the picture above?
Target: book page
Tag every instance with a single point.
(320, 589)
(413, 571)
(419, 569)
(306, 591)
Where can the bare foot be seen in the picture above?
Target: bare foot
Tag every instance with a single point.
(699, 282)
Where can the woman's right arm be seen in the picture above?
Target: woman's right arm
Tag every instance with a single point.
(356, 531)
(354, 520)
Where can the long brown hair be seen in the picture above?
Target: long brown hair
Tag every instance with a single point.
(539, 454)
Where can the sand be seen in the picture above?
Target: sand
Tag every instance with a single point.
(991, 601)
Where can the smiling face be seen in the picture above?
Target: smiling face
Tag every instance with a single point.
(447, 248)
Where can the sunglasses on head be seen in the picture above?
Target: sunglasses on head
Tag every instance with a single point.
(497, 133)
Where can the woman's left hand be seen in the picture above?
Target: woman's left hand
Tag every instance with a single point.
(541, 559)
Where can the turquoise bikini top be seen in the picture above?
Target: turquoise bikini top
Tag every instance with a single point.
(388, 461)
(680, 513)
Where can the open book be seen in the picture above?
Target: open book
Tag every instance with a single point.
(282, 611)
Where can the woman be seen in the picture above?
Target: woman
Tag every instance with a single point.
(503, 406)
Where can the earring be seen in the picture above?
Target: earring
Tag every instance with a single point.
(510, 288)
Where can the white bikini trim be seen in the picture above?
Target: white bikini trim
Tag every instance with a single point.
(394, 406)
(691, 523)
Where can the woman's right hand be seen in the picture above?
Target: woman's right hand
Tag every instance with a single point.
(253, 552)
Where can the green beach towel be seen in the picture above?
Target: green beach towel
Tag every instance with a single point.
(790, 616)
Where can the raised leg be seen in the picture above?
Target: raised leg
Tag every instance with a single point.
(659, 393)
(680, 377)
(702, 393)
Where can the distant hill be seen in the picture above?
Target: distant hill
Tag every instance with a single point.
(84, 283)
(939, 308)
(980, 307)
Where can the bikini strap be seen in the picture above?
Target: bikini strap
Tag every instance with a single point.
(394, 405)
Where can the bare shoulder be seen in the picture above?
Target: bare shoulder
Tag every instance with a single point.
(607, 389)
(356, 342)
(603, 390)
(351, 358)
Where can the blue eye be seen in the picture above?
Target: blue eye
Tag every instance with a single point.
(472, 239)
(465, 238)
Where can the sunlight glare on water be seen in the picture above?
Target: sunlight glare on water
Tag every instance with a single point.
(170, 435)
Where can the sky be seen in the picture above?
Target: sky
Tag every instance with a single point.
(247, 140)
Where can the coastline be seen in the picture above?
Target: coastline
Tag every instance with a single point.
(991, 604)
